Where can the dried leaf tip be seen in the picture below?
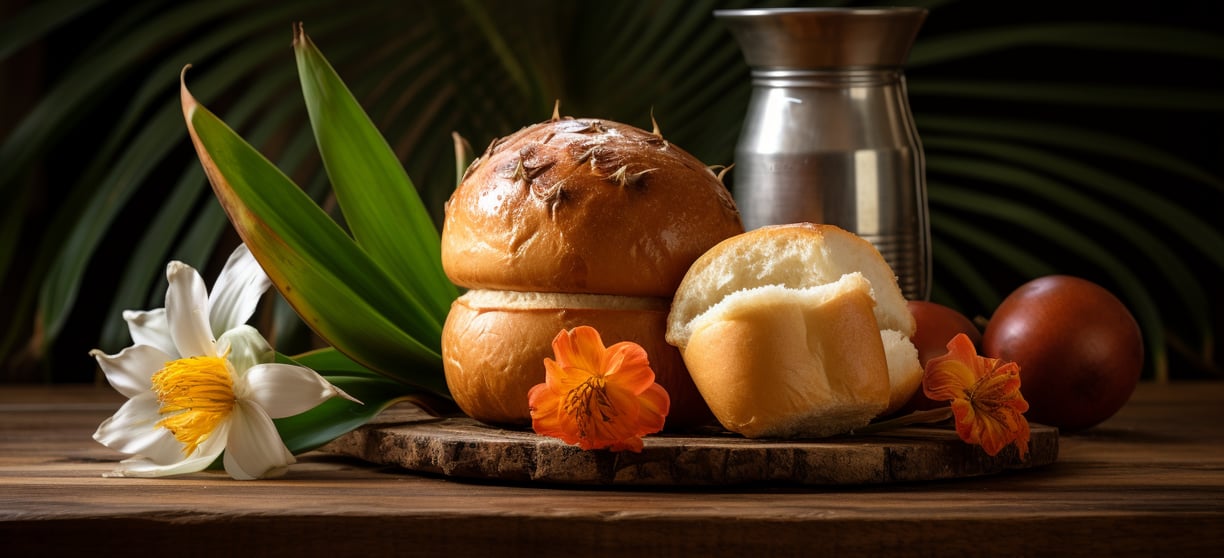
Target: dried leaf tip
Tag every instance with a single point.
(299, 34)
(624, 178)
(556, 110)
(724, 171)
(520, 173)
(464, 161)
(655, 132)
(185, 98)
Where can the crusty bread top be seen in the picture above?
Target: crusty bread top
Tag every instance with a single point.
(584, 206)
(795, 256)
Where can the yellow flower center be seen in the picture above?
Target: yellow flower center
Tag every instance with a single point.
(587, 400)
(196, 395)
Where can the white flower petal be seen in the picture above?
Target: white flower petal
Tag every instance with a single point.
(284, 390)
(215, 443)
(187, 311)
(130, 370)
(150, 328)
(142, 467)
(204, 455)
(237, 291)
(133, 430)
(254, 449)
(246, 348)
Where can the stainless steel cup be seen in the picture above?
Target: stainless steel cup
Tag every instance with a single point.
(829, 136)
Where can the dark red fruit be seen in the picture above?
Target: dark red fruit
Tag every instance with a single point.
(1079, 349)
(937, 325)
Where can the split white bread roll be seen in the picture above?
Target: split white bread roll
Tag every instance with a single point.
(795, 331)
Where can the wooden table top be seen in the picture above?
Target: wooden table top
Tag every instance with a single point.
(1148, 482)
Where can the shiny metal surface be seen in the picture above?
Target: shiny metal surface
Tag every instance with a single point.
(829, 136)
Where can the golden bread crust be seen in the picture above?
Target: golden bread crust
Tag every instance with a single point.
(493, 354)
(583, 206)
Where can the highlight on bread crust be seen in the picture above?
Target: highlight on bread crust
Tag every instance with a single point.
(566, 223)
(795, 331)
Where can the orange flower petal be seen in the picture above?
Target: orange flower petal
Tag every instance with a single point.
(946, 380)
(948, 376)
(562, 379)
(627, 366)
(1003, 387)
(614, 423)
(545, 411)
(996, 430)
(655, 404)
(966, 417)
(985, 396)
(597, 397)
(580, 348)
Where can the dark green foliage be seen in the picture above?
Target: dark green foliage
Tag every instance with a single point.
(1072, 137)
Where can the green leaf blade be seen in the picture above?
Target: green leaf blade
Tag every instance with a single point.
(331, 283)
(380, 203)
(337, 416)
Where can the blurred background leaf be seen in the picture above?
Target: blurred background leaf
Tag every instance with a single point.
(1062, 137)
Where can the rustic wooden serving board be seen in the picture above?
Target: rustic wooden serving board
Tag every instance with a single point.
(407, 437)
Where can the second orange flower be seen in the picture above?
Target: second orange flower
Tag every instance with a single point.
(985, 394)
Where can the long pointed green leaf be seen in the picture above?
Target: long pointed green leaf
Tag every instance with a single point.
(336, 416)
(181, 210)
(380, 204)
(330, 281)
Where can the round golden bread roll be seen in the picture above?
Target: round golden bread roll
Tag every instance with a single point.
(584, 206)
(795, 331)
(604, 211)
(494, 344)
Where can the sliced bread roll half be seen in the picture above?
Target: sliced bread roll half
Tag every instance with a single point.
(494, 344)
(795, 331)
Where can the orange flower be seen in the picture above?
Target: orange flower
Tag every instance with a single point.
(985, 395)
(597, 397)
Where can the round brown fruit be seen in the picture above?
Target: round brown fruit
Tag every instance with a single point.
(937, 325)
(1079, 349)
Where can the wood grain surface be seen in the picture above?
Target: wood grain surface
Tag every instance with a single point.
(462, 447)
(1148, 482)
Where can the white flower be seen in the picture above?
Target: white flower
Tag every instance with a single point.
(200, 381)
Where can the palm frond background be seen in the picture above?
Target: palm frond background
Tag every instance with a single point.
(1061, 137)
